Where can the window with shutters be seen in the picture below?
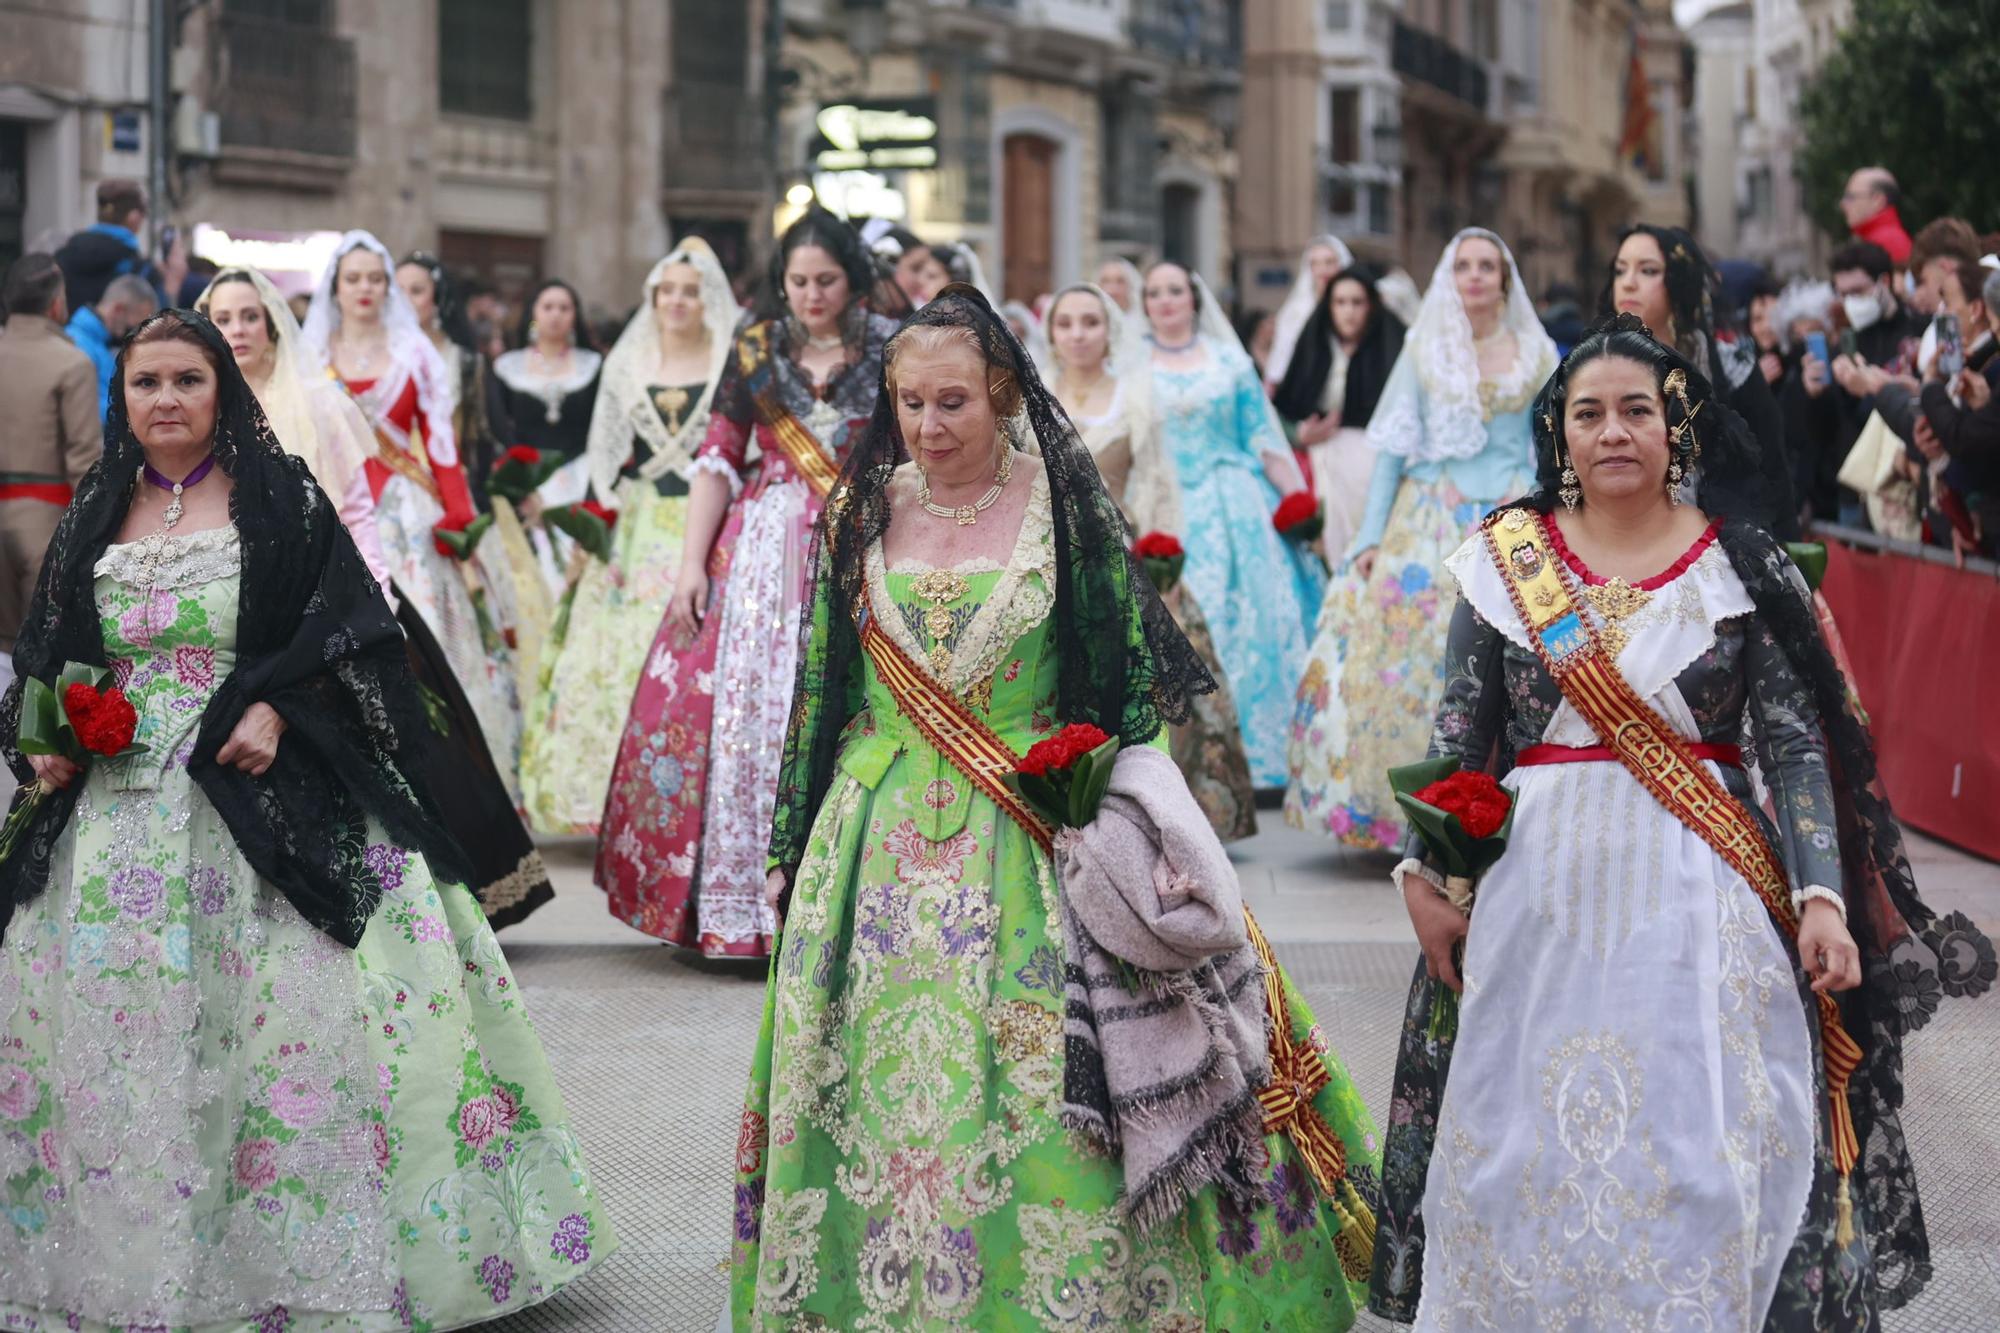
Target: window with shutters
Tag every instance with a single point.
(486, 58)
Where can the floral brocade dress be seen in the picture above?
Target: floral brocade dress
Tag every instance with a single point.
(212, 1116)
(901, 1164)
(599, 642)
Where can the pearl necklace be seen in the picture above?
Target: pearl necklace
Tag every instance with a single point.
(967, 515)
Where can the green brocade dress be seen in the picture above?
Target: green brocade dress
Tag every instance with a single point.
(901, 1164)
(215, 1119)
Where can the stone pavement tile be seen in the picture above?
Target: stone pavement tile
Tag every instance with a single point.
(651, 1047)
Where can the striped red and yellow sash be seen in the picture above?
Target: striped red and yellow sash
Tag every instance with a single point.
(1662, 761)
(953, 729)
(1298, 1073)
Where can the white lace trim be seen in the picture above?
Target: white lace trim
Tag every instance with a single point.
(512, 368)
(720, 467)
(1821, 893)
(1016, 605)
(1677, 625)
(161, 561)
(978, 565)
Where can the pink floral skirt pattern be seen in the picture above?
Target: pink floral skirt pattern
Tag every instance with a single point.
(687, 822)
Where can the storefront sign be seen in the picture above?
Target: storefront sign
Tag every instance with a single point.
(891, 135)
(860, 194)
(292, 260)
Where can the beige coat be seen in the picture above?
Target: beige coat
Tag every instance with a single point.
(49, 433)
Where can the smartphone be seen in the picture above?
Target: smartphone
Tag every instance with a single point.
(1950, 347)
(1816, 345)
(1849, 344)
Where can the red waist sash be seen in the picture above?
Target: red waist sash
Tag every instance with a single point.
(1730, 756)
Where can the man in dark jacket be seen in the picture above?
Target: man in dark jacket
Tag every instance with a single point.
(108, 249)
(1885, 336)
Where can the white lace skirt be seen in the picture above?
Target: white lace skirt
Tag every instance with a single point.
(1626, 1140)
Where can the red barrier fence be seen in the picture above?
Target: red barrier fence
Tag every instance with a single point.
(1924, 642)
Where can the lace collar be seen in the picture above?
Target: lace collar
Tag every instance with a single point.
(1022, 599)
(1684, 605)
(161, 562)
(512, 368)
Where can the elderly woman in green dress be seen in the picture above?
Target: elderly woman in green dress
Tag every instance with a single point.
(905, 1159)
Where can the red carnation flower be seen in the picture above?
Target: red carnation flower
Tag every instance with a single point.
(1296, 508)
(608, 516)
(107, 727)
(524, 455)
(1158, 546)
(1061, 750)
(1480, 803)
(80, 700)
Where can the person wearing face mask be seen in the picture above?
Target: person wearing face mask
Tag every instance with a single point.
(651, 415)
(1886, 335)
(680, 846)
(1451, 439)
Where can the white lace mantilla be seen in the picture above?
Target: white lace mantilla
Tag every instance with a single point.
(1022, 599)
(163, 561)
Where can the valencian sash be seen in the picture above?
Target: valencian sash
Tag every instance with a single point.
(395, 457)
(1665, 765)
(1298, 1072)
(808, 456)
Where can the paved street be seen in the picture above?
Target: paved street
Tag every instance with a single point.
(652, 1045)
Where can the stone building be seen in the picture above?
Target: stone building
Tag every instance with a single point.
(1427, 116)
(1065, 131)
(1790, 40)
(518, 138)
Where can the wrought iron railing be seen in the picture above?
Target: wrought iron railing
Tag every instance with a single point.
(284, 86)
(1431, 59)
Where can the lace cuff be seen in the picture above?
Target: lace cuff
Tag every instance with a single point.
(1823, 894)
(721, 467)
(1410, 865)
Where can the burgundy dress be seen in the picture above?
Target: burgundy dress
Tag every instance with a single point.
(681, 846)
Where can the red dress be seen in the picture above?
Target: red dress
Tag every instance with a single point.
(687, 821)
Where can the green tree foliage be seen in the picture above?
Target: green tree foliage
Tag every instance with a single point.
(1914, 86)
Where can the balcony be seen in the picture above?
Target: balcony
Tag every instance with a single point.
(1429, 59)
(1198, 33)
(284, 94)
(717, 139)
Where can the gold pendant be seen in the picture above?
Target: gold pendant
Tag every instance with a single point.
(967, 516)
(939, 587)
(1616, 601)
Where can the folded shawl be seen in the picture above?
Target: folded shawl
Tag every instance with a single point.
(1166, 1034)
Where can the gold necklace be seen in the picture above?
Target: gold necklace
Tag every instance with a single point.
(1616, 601)
(939, 587)
(967, 515)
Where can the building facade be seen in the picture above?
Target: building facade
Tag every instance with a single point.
(1554, 122)
(1791, 39)
(1065, 131)
(517, 138)
(1723, 107)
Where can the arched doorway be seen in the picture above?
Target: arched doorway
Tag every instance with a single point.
(1028, 228)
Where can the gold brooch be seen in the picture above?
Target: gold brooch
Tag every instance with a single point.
(939, 587)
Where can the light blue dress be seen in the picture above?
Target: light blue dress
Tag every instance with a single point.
(1259, 592)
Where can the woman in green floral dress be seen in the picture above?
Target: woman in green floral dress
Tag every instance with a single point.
(262, 1065)
(901, 1163)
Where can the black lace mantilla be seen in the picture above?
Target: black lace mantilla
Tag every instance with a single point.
(1124, 664)
(316, 642)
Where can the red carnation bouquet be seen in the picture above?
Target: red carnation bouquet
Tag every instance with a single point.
(522, 471)
(590, 523)
(82, 714)
(1464, 819)
(1160, 554)
(1065, 776)
(1300, 518)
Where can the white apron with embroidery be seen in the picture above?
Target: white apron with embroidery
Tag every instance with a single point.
(1626, 1139)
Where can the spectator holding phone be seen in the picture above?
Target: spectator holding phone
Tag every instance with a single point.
(1880, 333)
(1957, 430)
